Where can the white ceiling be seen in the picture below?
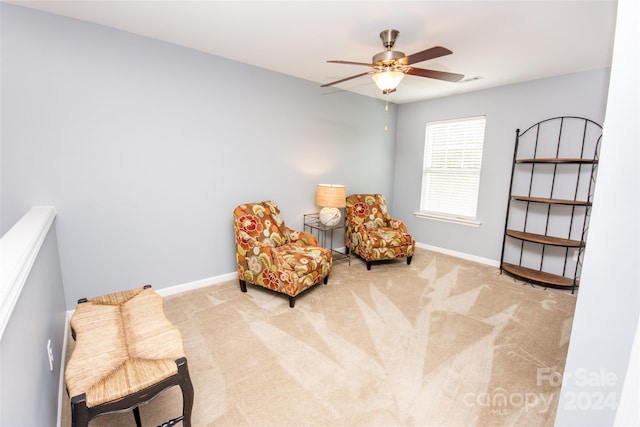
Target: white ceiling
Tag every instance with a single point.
(494, 43)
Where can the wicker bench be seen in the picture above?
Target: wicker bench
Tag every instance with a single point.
(126, 353)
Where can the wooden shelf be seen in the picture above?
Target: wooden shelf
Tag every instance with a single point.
(539, 276)
(557, 160)
(545, 240)
(552, 201)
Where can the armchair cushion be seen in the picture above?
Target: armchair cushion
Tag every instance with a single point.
(271, 255)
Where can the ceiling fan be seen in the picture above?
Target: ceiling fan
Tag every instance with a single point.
(390, 66)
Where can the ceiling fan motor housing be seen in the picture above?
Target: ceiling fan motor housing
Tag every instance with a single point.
(388, 38)
(388, 57)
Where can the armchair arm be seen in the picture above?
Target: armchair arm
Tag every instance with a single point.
(354, 228)
(351, 224)
(399, 225)
(357, 227)
(257, 256)
(302, 237)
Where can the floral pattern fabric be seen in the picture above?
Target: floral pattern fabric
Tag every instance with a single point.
(271, 255)
(372, 233)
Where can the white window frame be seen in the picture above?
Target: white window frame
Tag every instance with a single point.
(466, 158)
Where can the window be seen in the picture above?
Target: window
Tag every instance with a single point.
(451, 170)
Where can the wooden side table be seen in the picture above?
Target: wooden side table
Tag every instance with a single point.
(324, 233)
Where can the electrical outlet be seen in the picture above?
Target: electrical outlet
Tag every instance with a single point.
(575, 255)
(50, 355)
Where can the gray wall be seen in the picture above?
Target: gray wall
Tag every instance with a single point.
(506, 108)
(28, 389)
(144, 148)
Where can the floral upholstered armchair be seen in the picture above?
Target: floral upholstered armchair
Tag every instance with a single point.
(372, 233)
(272, 255)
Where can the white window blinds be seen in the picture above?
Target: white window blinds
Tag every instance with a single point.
(451, 172)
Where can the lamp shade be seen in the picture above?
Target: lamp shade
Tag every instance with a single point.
(331, 196)
(387, 80)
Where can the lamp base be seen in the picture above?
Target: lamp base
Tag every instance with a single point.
(330, 216)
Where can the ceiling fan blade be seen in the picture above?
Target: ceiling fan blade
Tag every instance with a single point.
(433, 74)
(345, 79)
(352, 63)
(434, 52)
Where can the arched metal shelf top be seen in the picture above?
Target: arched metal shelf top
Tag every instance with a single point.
(558, 118)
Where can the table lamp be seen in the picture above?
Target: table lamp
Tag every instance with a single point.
(331, 197)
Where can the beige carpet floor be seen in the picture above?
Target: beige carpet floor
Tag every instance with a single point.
(442, 342)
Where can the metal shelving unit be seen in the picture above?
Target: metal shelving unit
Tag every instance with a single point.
(550, 199)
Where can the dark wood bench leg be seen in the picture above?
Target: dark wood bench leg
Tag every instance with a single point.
(79, 411)
(243, 285)
(136, 415)
(187, 391)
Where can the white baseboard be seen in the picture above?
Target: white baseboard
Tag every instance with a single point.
(461, 255)
(172, 290)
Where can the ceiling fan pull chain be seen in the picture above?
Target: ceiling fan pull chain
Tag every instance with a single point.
(386, 112)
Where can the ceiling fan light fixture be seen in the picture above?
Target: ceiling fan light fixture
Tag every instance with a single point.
(387, 80)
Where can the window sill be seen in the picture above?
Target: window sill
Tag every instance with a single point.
(472, 222)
